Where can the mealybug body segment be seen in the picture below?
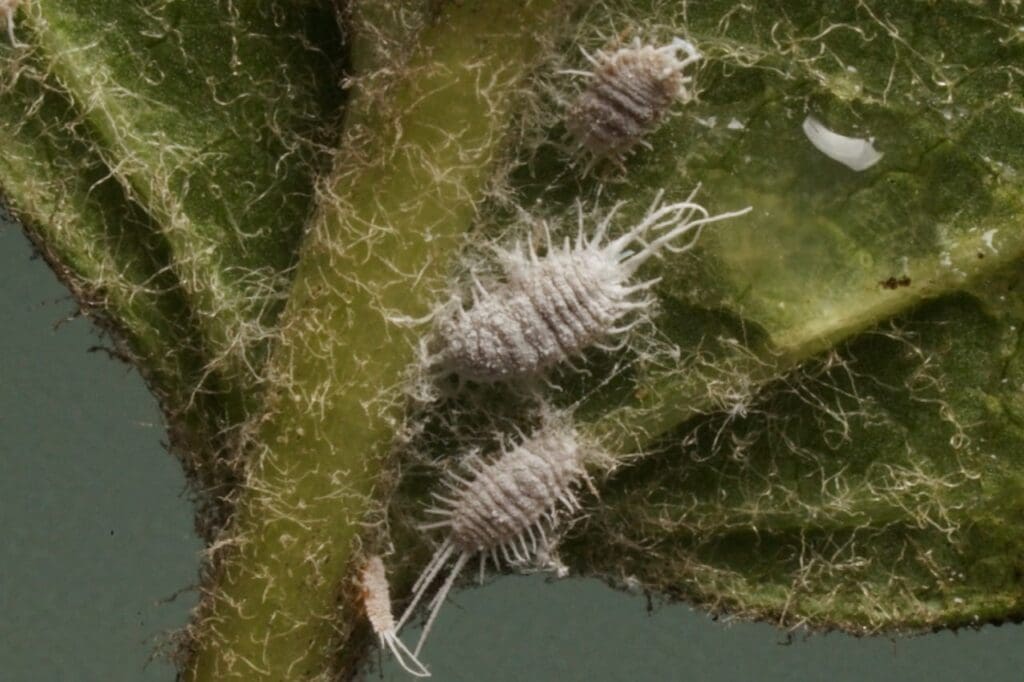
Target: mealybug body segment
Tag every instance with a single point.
(503, 509)
(550, 308)
(377, 601)
(629, 93)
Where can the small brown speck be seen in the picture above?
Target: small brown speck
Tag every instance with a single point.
(895, 282)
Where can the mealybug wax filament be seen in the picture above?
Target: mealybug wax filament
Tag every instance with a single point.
(502, 509)
(550, 308)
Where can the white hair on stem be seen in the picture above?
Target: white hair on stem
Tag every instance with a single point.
(377, 602)
(7, 10)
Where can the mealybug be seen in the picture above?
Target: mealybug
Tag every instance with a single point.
(502, 509)
(629, 93)
(7, 10)
(548, 309)
(377, 601)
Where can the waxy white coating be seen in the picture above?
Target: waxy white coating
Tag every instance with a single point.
(550, 308)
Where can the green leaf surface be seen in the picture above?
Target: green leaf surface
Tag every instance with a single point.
(810, 266)
(830, 419)
(109, 253)
(880, 488)
(821, 421)
(212, 114)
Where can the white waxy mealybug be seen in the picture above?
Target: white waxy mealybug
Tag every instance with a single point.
(7, 10)
(503, 509)
(549, 309)
(629, 93)
(377, 601)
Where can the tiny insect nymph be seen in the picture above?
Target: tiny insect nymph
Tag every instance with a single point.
(550, 308)
(7, 10)
(628, 94)
(502, 509)
(377, 602)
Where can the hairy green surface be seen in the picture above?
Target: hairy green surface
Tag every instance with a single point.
(319, 467)
(827, 394)
(818, 423)
(881, 488)
(875, 484)
(212, 114)
(111, 255)
(809, 266)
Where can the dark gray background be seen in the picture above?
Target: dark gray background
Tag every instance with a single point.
(98, 536)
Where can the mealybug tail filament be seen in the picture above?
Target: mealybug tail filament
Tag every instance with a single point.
(377, 601)
(502, 510)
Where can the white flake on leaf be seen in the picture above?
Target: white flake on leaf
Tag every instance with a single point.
(987, 238)
(853, 152)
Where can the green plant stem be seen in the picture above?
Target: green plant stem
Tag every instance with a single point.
(392, 216)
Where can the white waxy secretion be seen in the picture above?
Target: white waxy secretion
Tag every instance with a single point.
(550, 308)
(628, 94)
(853, 152)
(502, 510)
(377, 602)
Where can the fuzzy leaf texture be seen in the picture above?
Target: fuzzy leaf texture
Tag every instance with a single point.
(820, 424)
(213, 117)
(163, 157)
(850, 354)
(828, 399)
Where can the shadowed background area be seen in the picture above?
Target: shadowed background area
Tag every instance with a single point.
(98, 536)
